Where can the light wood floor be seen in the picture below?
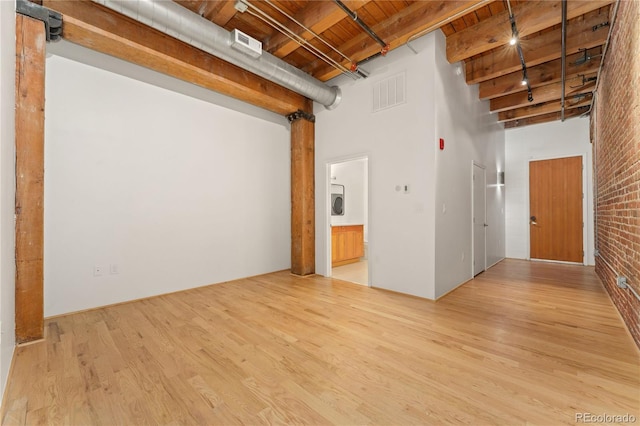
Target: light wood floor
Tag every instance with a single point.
(353, 272)
(522, 343)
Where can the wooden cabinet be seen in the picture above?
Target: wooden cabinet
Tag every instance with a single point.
(347, 244)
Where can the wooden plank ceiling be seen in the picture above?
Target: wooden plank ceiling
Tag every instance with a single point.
(477, 33)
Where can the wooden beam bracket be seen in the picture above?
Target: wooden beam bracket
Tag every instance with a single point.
(301, 114)
(52, 19)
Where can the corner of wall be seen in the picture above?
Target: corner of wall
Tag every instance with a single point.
(471, 135)
(397, 142)
(7, 188)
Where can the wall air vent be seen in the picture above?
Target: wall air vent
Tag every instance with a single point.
(389, 92)
(246, 44)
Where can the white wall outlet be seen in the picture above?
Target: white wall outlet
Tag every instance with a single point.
(98, 270)
(113, 269)
(621, 281)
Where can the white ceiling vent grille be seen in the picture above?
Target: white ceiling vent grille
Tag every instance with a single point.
(246, 44)
(389, 92)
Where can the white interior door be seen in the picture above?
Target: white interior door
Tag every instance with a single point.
(479, 220)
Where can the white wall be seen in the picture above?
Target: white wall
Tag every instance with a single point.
(541, 142)
(83, 55)
(175, 191)
(471, 134)
(397, 143)
(401, 143)
(353, 175)
(7, 187)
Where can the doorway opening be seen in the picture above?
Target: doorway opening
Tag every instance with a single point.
(349, 220)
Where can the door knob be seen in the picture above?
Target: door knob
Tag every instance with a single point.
(533, 220)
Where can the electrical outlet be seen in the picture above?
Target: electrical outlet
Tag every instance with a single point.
(98, 270)
(621, 281)
(113, 269)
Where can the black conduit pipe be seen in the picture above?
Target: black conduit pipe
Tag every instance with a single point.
(365, 27)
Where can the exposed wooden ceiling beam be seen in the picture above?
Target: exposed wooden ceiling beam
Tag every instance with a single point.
(90, 25)
(544, 108)
(397, 29)
(546, 73)
(543, 48)
(531, 17)
(219, 12)
(318, 16)
(554, 116)
(547, 93)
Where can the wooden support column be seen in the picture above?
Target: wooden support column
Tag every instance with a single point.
(30, 66)
(303, 224)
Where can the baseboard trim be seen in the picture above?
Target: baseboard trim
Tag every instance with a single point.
(124, 302)
(6, 385)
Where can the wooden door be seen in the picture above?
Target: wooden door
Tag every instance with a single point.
(555, 200)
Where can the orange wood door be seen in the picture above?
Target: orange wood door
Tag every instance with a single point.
(555, 200)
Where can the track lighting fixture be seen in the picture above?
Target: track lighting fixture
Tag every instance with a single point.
(514, 29)
(515, 42)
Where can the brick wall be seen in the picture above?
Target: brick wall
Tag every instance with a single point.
(616, 134)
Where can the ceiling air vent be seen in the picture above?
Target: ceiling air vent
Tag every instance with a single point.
(389, 92)
(246, 44)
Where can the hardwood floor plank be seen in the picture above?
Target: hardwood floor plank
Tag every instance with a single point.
(524, 342)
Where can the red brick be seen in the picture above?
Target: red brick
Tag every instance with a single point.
(615, 127)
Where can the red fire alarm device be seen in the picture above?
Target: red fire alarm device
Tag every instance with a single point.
(441, 144)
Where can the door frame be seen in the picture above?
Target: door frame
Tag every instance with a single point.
(327, 213)
(584, 206)
(473, 235)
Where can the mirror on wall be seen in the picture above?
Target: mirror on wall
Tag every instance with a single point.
(337, 200)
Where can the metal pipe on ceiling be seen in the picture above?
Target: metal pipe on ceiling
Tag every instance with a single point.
(179, 22)
(302, 42)
(364, 26)
(612, 21)
(283, 29)
(304, 27)
(563, 57)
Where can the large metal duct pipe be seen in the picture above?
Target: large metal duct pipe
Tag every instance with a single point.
(178, 22)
